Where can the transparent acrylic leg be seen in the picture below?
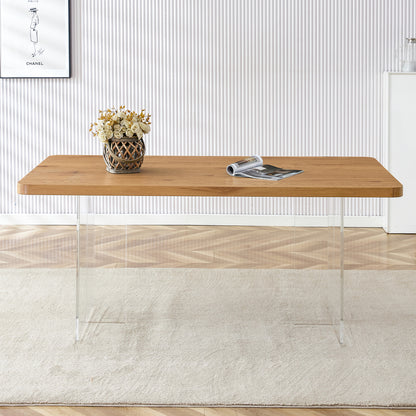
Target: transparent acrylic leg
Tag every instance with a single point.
(341, 266)
(82, 208)
(77, 271)
(336, 212)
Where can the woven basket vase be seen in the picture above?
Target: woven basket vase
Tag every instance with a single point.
(124, 155)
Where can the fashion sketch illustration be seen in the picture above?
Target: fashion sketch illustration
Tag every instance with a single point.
(34, 33)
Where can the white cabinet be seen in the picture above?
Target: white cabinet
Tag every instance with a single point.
(400, 129)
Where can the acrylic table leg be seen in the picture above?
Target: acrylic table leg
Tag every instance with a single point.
(83, 219)
(77, 271)
(336, 214)
(341, 265)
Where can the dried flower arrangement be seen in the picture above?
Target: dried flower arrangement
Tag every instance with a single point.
(118, 123)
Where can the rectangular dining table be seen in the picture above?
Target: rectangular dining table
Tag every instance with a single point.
(206, 176)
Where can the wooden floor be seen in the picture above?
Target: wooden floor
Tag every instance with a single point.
(204, 247)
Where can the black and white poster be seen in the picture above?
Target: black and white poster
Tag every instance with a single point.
(34, 39)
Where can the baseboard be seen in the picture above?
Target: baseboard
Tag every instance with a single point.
(194, 219)
(401, 229)
(38, 219)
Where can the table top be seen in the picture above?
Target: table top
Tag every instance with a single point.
(206, 176)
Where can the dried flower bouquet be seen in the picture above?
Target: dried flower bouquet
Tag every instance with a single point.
(118, 123)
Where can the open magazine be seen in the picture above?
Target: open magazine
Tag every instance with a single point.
(253, 167)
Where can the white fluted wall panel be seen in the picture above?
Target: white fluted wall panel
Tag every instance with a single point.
(221, 77)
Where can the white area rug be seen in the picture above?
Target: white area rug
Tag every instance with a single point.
(208, 337)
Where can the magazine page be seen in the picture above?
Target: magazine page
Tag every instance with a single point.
(269, 172)
(242, 165)
(253, 167)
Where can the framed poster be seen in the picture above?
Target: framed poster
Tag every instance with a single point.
(34, 39)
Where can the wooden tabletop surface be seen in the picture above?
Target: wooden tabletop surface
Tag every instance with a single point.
(206, 176)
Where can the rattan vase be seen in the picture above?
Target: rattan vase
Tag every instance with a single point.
(124, 155)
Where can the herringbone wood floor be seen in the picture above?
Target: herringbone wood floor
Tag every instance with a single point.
(206, 247)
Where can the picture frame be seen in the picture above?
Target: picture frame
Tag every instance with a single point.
(35, 39)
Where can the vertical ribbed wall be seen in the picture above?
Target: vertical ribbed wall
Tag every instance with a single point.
(221, 77)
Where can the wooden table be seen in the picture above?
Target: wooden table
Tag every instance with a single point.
(206, 176)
